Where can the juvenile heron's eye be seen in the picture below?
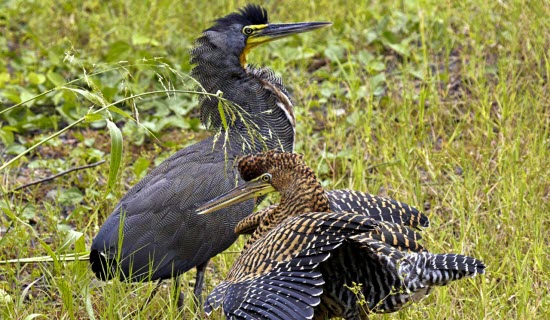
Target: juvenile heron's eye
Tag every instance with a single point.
(266, 177)
(247, 30)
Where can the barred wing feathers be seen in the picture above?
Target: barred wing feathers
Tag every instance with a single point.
(277, 276)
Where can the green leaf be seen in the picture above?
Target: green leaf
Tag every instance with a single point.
(15, 149)
(400, 48)
(36, 78)
(116, 153)
(55, 78)
(11, 95)
(70, 238)
(4, 77)
(6, 136)
(27, 96)
(220, 110)
(5, 297)
(118, 51)
(72, 196)
(378, 80)
(90, 96)
(120, 111)
(91, 117)
(80, 243)
(138, 39)
(140, 167)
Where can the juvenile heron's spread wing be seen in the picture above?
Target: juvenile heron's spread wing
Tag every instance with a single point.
(372, 206)
(306, 261)
(277, 277)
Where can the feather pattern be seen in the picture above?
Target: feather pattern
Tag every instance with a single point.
(153, 232)
(305, 261)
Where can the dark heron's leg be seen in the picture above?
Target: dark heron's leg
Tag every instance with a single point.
(199, 284)
(150, 297)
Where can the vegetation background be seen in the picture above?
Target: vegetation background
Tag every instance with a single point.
(440, 104)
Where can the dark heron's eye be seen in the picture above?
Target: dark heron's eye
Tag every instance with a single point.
(266, 177)
(248, 31)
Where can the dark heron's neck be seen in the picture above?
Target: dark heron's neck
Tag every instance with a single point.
(258, 92)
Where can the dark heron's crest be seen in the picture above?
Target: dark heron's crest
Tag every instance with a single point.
(255, 14)
(250, 14)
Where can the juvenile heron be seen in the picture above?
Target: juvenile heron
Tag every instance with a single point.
(153, 232)
(304, 261)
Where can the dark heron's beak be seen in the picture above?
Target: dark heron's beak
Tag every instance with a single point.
(248, 190)
(269, 32)
(281, 30)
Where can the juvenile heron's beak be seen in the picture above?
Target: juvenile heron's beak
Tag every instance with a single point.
(248, 190)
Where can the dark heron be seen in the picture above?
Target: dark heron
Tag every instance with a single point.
(304, 261)
(153, 232)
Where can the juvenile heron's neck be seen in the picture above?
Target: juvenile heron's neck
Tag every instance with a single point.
(263, 103)
(301, 194)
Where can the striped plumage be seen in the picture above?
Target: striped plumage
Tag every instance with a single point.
(375, 207)
(302, 259)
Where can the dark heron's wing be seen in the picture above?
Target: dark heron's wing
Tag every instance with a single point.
(161, 234)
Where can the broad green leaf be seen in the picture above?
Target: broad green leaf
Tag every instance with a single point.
(15, 148)
(140, 166)
(5, 297)
(138, 39)
(27, 96)
(6, 136)
(55, 78)
(400, 48)
(72, 196)
(91, 117)
(116, 153)
(377, 80)
(120, 111)
(11, 95)
(36, 78)
(90, 96)
(80, 244)
(4, 77)
(118, 51)
(70, 238)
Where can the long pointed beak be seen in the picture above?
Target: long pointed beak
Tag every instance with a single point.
(246, 191)
(280, 30)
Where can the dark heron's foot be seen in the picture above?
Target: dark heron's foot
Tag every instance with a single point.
(181, 301)
(177, 293)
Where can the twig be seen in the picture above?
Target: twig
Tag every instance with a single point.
(56, 176)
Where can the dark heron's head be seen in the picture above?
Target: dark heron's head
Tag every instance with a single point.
(239, 32)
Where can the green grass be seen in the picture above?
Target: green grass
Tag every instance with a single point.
(442, 105)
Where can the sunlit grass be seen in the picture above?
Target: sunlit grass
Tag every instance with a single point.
(442, 105)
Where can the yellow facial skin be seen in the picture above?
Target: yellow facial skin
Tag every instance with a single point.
(253, 41)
